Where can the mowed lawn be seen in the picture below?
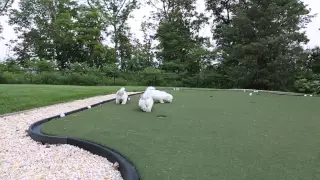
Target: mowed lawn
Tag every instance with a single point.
(21, 97)
(208, 135)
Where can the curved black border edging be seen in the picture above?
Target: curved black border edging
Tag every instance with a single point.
(126, 168)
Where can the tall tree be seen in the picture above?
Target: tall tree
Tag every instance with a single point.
(89, 27)
(221, 10)
(261, 42)
(117, 12)
(36, 23)
(314, 56)
(142, 53)
(179, 23)
(148, 29)
(60, 30)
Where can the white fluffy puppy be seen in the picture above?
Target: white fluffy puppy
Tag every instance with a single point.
(160, 96)
(146, 102)
(121, 96)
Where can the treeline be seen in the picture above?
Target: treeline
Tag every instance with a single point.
(44, 72)
(256, 44)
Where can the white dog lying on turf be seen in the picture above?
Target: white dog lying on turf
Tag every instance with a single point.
(146, 101)
(160, 96)
(121, 96)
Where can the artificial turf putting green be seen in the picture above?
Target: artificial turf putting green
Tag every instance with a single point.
(208, 135)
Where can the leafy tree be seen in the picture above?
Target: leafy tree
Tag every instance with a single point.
(117, 12)
(147, 48)
(89, 27)
(177, 35)
(42, 27)
(41, 65)
(4, 5)
(261, 43)
(142, 53)
(221, 10)
(142, 57)
(61, 31)
(315, 60)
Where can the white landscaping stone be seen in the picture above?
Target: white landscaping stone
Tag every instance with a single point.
(23, 158)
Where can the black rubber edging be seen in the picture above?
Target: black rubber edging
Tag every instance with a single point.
(126, 168)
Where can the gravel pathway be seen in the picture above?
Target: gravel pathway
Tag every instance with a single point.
(22, 158)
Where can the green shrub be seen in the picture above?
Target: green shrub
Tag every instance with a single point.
(121, 82)
(50, 78)
(81, 79)
(307, 86)
(13, 78)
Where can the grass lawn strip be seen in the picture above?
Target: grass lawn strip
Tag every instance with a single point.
(22, 97)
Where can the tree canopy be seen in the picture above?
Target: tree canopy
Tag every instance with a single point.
(255, 43)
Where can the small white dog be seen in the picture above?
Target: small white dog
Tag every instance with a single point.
(121, 96)
(160, 96)
(146, 101)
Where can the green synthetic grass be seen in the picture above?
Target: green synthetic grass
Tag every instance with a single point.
(230, 135)
(21, 97)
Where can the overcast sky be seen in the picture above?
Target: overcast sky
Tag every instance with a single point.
(312, 29)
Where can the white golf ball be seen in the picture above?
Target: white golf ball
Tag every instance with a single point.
(89, 107)
(128, 98)
(305, 95)
(310, 95)
(62, 115)
(250, 94)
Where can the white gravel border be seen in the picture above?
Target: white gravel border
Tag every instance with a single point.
(22, 158)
